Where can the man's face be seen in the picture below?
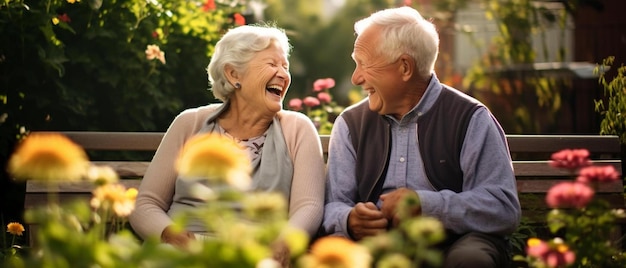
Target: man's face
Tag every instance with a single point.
(375, 74)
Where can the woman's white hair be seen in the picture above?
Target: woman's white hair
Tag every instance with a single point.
(236, 48)
(405, 31)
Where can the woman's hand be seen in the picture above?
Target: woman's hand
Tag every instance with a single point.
(177, 239)
(281, 253)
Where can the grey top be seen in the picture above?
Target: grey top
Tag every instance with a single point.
(488, 202)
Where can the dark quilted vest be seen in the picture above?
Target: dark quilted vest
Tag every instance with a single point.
(441, 132)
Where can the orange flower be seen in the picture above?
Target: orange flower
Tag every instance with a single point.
(209, 5)
(48, 157)
(239, 19)
(216, 158)
(15, 228)
(338, 252)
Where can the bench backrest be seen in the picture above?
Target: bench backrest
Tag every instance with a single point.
(530, 154)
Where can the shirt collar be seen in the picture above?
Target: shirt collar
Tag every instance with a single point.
(426, 102)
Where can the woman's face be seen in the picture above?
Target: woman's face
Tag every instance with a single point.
(266, 79)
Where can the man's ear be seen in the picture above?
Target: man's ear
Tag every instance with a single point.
(407, 66)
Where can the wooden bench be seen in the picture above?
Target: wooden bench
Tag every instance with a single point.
(530, 155)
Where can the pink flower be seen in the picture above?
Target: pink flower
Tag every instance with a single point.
(311, 101)
(295, 104)
(553, 254)
(597, 174)
(239, 19)
(570, 159)
(324, 97)
(537, 247)
(569, 194)
(321, 84)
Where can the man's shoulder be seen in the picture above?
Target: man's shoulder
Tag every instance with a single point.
(460, 95)
(358, 108)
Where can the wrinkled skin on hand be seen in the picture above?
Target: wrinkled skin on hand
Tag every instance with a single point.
(365, 219)
(394, 201)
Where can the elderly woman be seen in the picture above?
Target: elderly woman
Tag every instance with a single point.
(249, 72)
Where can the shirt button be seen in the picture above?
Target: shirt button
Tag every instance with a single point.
(402, 159)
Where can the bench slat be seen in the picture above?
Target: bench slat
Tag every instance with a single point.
(543, 169)
(554, 143)
(131, 141)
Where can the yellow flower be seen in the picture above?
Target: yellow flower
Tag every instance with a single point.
(216, 158)
(110, 192)
(102, 175)
(73, 1)
(338, 252)
(131, 193)
(265, 205)
(116, 197)
(48, 157)
(55, 21)
(15, 228)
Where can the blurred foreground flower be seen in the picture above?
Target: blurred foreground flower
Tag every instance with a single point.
(48, 157)
(337, 252)
(554, 253)
(595, 174)
(569, 194)
(101, 175)
(115, 197)
(216, 158)
(570, 159)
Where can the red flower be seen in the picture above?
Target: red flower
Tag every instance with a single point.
(597, 174)
(209, 5)
(64, 18)
(324, 97)
(570, 159)
(295, 104)
(311, 101)
(569, 194)
(239, 19)
(321, 84)
(155, 34)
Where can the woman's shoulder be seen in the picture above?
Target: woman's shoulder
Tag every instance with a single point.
(199, 112)
(194, 117)
(293, 116)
